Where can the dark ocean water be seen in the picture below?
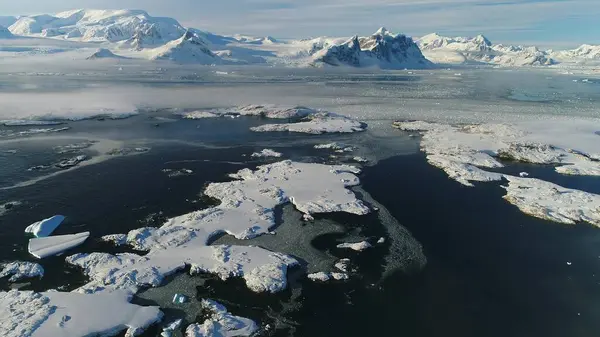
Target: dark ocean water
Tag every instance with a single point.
(491, 270)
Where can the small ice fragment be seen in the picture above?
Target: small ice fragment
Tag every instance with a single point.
(381, 240)
(307, 217)
(173, 326)
(54, 245)
(45, 227)
(524, 174)
(358, 246)
(569, 263)
(360, 159)
(180, 299)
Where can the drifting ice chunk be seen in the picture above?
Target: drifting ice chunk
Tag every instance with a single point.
(266, 153)
(169, 329)
(324, 277)
(45, 227)
(524, 174)
(50, 246)
(359, 246)
(180, 299)
(20, 270)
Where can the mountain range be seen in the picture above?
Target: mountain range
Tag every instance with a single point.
(134, 34)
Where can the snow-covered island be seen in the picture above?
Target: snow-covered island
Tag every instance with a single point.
(470, 153)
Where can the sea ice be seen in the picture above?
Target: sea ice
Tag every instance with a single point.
(20, 270)
(45, 227)
(221, 323)
(49, 246)
(180, 299)
(51, 314)
(266, 153)
(358, 246)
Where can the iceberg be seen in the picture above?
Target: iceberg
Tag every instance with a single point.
(49, 246)
(358, 246)
(45, 227)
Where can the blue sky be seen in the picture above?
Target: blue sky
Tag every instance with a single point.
(549, 23)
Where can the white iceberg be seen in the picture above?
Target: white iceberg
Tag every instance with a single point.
(53, 245)
(19, 270)
(45, 227)
(221, 323)
(51, 314)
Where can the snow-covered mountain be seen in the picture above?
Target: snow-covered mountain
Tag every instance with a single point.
(5, 33)
(189, 48)
(135, 34)
(100, 25)
(103, 53)
(453, 50)
(382, 49)
(583, 52)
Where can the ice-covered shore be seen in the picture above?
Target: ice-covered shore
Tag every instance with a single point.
(467, 153)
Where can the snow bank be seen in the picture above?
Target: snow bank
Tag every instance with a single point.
(19, 270)
(221, 323)
(357, 246)
(45, 227)
(50, 314)
(54, 245)
(266, 153)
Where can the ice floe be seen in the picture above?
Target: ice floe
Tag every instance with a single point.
(172, 173)
(53, 245)
(357, 246)
(19, 270)
(266, 153)
(221, 323)
(51, 314)
(45, 227)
